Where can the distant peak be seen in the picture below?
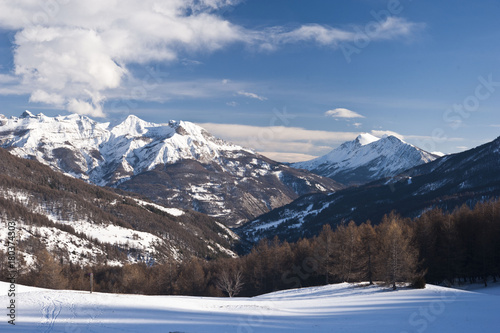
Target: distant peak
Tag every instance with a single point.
(27, 114)
(132, 117)
(366, 138)
(438, 153)
(174, 123)
(393, 138)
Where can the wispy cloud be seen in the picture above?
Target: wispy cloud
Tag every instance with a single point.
(298, 144)
(251, 95)
(391, 28)
(343, 113)
(4, 78)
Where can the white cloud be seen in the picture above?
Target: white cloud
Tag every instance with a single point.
(288, 157)
(63, 48)
(343, 113)
(381, 133)
(251, 95)
(7, 78)
(233, 104)
(154, 87)
(40, 96)
(85, 108)
(392, 27)
(294, 142)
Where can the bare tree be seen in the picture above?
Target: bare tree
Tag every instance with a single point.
(230, 282)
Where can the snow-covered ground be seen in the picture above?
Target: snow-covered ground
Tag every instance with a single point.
(334, 308)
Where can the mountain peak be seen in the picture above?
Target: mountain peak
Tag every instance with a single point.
(367, 158)
(366, 138)
(27, 114)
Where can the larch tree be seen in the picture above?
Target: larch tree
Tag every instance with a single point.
(48, 271)
(367, 252)
(323, 250)
(346, 248)
(397, 255)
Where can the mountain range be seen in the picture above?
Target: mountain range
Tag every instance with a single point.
(447, 182)
(367, 158)
(177, 164)
(183, 168)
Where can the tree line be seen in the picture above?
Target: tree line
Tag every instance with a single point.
(438, 247)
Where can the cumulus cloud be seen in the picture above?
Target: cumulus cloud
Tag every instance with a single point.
(67, 52)
(342, 113)
(40, 96)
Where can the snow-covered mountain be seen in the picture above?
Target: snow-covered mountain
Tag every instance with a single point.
(367, 158)
(105, 154)
(177, 164)
(463, 178)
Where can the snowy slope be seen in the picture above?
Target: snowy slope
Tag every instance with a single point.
(367, 158)
(177, 164)
(333, 308)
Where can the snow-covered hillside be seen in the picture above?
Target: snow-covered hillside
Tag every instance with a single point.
(86, 224)
(177, 164)
(367, 158)
(333, 308)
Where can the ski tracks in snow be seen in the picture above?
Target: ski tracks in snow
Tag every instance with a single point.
(51, 309)
(81, 316)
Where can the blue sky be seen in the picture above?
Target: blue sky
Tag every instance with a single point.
(290, 78)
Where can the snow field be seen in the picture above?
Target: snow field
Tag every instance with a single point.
(333, 308)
